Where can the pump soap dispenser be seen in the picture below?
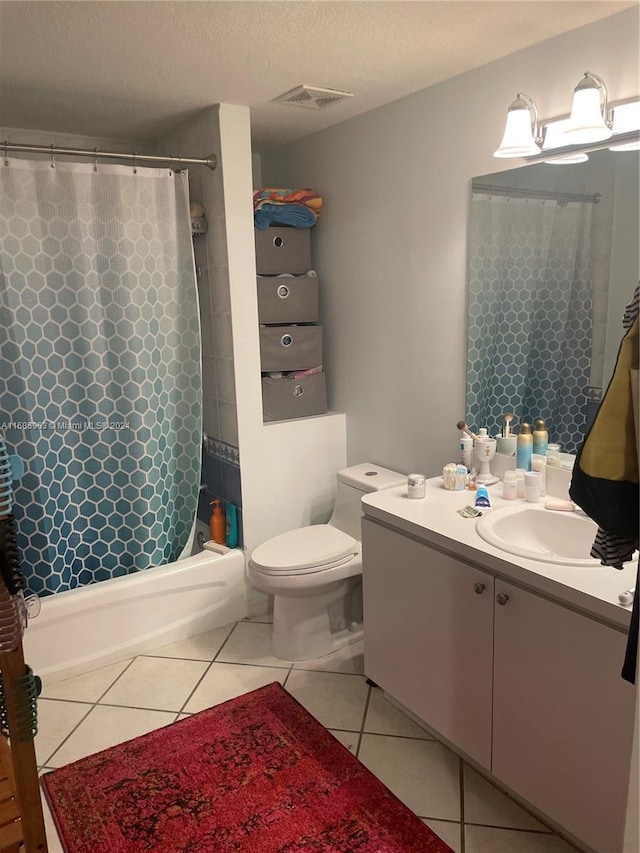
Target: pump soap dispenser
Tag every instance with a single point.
(216, 522)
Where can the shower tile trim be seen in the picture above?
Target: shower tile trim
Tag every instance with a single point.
(228, 453)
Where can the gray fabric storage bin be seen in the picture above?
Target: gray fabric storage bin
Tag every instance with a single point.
(290, 347)
(294, 398)
(281, 249)
(288, 300)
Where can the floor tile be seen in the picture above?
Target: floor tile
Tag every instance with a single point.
(348, 659)
(424, 774)
(226, 681)
(385, 719)
(88, 687)
(106, 726)
(261, 617)
(486, 804)
(162, 684)
(250, 643)
(450, 833)
(337, 701)
(201, 647)
(348, 739)
(55, 721)
(485, 839)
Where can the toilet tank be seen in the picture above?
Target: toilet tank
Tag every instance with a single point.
(353, 484)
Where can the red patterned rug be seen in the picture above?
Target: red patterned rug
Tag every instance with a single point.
(257, 774)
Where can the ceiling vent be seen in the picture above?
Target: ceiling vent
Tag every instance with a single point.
(312, 97)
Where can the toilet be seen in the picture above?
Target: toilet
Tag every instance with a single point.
(315, 572)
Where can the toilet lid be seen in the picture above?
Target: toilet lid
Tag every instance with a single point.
(304, 549)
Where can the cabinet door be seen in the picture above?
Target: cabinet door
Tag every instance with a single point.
(563, 717)
(428, 635)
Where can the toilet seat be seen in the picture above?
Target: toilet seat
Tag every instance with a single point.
(305, 550)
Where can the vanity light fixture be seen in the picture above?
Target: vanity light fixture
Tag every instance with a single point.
(521, 134)
(626, 117)
(591, 118)
(594, 123)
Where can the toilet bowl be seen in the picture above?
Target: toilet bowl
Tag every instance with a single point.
(315, 572)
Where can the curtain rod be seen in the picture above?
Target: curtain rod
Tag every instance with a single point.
(211, 161)
(517, 192)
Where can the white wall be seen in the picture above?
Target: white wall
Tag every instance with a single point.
(625, 263)
(288, 468)
(391, 245)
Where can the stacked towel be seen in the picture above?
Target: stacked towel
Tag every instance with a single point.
(299, 208)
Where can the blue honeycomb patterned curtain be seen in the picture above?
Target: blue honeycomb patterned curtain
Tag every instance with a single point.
(100, 384)
(530, 310)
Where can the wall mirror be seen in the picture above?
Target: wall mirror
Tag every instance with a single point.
(553, 261)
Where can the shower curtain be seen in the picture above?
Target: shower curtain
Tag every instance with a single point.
(100, 381)
(530, 310)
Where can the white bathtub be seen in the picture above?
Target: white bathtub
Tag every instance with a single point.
(86, 628)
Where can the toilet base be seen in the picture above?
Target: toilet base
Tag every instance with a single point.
(311, 626)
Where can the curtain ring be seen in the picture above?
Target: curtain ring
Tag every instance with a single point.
(171, 169)
(95, 159)
(135, 162)
(53, 165)
(6, 153)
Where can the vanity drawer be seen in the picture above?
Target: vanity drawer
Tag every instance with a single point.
(281, 249)
(288, 300)
(294, 398)
(290, 347)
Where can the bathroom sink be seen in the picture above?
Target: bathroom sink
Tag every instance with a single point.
(564, 538)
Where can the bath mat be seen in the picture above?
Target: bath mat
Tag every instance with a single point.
(256, 774)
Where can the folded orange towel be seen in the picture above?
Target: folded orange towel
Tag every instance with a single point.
(271, 195)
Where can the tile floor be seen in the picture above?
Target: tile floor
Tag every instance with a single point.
(94, 711)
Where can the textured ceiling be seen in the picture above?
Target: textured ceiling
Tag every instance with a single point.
(134, 70)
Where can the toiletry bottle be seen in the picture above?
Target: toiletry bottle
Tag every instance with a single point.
(553, 456)
(232, 526)
(466, 450)
(524, 447)
(539, 463)
(510, 486)
(540, 438)
(216, 522)
(532, 483)
(482, 496)
(472, 480)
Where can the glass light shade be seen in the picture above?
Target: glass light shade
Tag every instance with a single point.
(568, 158)
(554, 138)
(586, 123)
(626, 117)
(518, 138)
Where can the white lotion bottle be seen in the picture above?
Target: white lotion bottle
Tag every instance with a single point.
(539, 463)
(466, 451)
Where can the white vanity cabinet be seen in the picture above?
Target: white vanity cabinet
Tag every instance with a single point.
(562, 715)
(527, 687)
(429, 635)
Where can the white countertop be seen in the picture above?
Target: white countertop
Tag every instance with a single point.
(435, 520)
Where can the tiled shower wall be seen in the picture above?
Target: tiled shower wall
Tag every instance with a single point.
(220, 455)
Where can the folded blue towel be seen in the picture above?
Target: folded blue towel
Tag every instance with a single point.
(298, 215)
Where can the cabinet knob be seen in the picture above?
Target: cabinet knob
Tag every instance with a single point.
(478, 588)
(502, 598)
